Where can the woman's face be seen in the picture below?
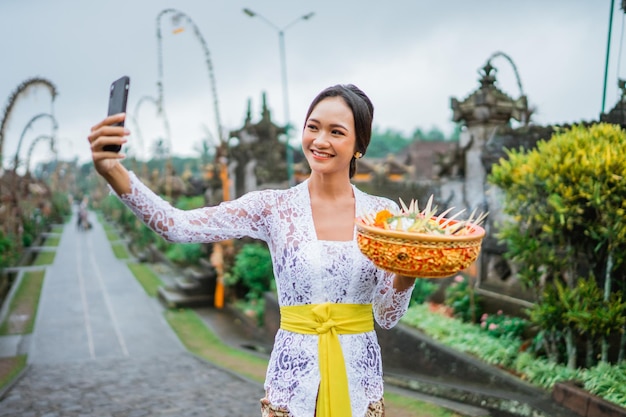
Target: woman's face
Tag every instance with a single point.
(328, 138)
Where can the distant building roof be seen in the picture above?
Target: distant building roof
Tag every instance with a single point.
(423, 157)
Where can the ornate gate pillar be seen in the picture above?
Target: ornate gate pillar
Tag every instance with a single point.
(482, 113)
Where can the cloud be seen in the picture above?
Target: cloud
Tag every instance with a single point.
(409, 56)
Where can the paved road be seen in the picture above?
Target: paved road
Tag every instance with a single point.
(101, 347)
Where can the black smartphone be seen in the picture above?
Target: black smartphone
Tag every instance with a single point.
(118, 96)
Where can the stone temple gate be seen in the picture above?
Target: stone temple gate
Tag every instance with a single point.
(258, 159)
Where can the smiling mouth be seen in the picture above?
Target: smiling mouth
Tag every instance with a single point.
(321, 154)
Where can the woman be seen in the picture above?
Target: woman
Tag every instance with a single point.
(326, 359)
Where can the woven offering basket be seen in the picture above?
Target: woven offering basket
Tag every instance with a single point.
(418, 254)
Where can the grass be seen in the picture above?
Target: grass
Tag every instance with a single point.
(44, 258)
(199, 340)
(112, 235)
(399, 405)
(147, 278)
(20, 320)
(10, 369)
(196, 336)
(23, 306)
(52, 241)
(22, 312)
(119, 250)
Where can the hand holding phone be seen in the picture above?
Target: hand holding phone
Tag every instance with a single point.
(118, 97)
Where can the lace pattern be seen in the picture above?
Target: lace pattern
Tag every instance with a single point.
(376, 409)
(307, 270)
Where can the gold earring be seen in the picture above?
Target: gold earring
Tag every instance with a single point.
(358, 155)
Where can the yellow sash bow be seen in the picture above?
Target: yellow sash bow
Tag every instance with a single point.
(328, 320)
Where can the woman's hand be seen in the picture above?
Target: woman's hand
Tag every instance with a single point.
(403, 283)
(107, 163)
(104, 134)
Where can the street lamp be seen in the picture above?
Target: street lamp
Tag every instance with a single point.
(283, 66)
(608, 50)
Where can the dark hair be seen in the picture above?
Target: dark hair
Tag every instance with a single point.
(362, 111)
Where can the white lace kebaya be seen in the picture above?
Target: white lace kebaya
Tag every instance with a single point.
(307, 271)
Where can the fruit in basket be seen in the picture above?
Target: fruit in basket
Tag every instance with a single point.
(419, 243)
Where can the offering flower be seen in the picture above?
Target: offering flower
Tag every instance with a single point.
(382, 219)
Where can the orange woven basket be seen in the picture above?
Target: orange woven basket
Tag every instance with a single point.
(418, 254)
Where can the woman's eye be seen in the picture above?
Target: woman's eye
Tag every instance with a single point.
(311, 127)
(337, 132)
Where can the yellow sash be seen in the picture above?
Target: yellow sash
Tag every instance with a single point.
(328, 320)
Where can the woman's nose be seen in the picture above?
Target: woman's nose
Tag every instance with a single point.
(320, 139)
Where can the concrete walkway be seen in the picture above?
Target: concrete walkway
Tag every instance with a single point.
(101, 347)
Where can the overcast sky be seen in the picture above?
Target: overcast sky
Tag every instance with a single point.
(409, 56)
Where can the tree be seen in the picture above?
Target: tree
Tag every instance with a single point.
(436, 135)
(386, 142)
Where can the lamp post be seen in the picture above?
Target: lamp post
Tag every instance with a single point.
(608, 50)
(283, 66)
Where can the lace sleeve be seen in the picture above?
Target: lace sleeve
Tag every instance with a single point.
(389, 305)
(231, 219)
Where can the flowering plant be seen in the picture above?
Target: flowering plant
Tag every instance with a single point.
(501, 325)
(460, 296)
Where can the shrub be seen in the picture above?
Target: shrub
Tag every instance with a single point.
(253, 269)
(422, 291)
(460, 296)
(8, 254)
(608, 382)
(567, 205)
(189, 203)
(144, 236)
(60, 207)
(184, 253)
